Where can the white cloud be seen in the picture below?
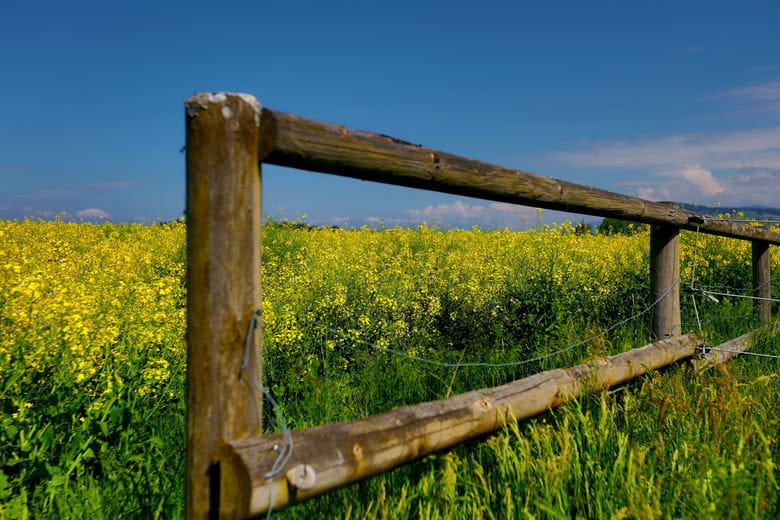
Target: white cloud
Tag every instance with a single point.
(765, 96)
(485, 215)
(694, 167)
(739, 149)
(756, 175)
(646, 193)
(736, 167)
(756, 186)
(702, 180)
(457, 210)
(766, 68)
(92, 213)
(748, 187)
(504, 207)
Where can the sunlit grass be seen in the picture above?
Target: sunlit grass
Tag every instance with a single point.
(92, 371)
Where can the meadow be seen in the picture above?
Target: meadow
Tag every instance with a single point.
(92, 370)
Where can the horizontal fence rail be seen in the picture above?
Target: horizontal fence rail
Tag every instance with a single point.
(289, 140)
(328, 457)
(234, 471)
(724, 352)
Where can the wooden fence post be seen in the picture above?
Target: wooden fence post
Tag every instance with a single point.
(223, 277)
(665, 279)
(762, 282)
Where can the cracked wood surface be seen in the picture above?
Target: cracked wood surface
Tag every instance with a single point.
(289, 140)
(223, 290)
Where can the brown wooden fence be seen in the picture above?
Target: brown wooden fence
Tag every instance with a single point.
(228, 137)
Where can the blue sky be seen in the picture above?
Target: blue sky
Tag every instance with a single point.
(666, 100)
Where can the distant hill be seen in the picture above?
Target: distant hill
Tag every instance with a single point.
(611, 225)
(756, 212)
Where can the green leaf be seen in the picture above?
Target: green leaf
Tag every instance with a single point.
(58, 480)
(5, 488)
(157, 442)
(103, 428)
(88, 454)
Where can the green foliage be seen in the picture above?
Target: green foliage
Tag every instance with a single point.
(613, 226)
(92, 420)
(67, 455)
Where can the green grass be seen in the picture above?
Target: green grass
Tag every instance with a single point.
(123, 460)
(671, 444)
(674, 444)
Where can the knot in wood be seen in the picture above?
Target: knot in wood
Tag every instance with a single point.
(435, 167)
(482, 405)
(302, 476)
(357, 451)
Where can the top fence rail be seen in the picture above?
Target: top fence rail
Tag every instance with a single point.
(289, 140)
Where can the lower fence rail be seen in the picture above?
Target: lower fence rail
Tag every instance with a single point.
(724, 352)
(331, 456)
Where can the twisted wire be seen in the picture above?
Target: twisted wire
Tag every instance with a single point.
(285, 452)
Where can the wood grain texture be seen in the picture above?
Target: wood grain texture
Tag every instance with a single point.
(762, 279)
(315, 146)
(665, 279)
(331, 456)
(725, 352)
(223, 278)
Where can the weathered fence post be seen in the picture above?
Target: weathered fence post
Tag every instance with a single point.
(223, 277)
(762, 283)
(665, 279)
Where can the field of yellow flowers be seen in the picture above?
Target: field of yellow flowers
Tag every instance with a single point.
(92, 369)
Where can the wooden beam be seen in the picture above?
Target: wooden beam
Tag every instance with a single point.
(723, 352)
(327, 457)
(762, 280)
(665, 279)
(223, 280)
(321, 147)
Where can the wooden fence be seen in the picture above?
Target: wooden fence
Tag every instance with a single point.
(228, 137)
